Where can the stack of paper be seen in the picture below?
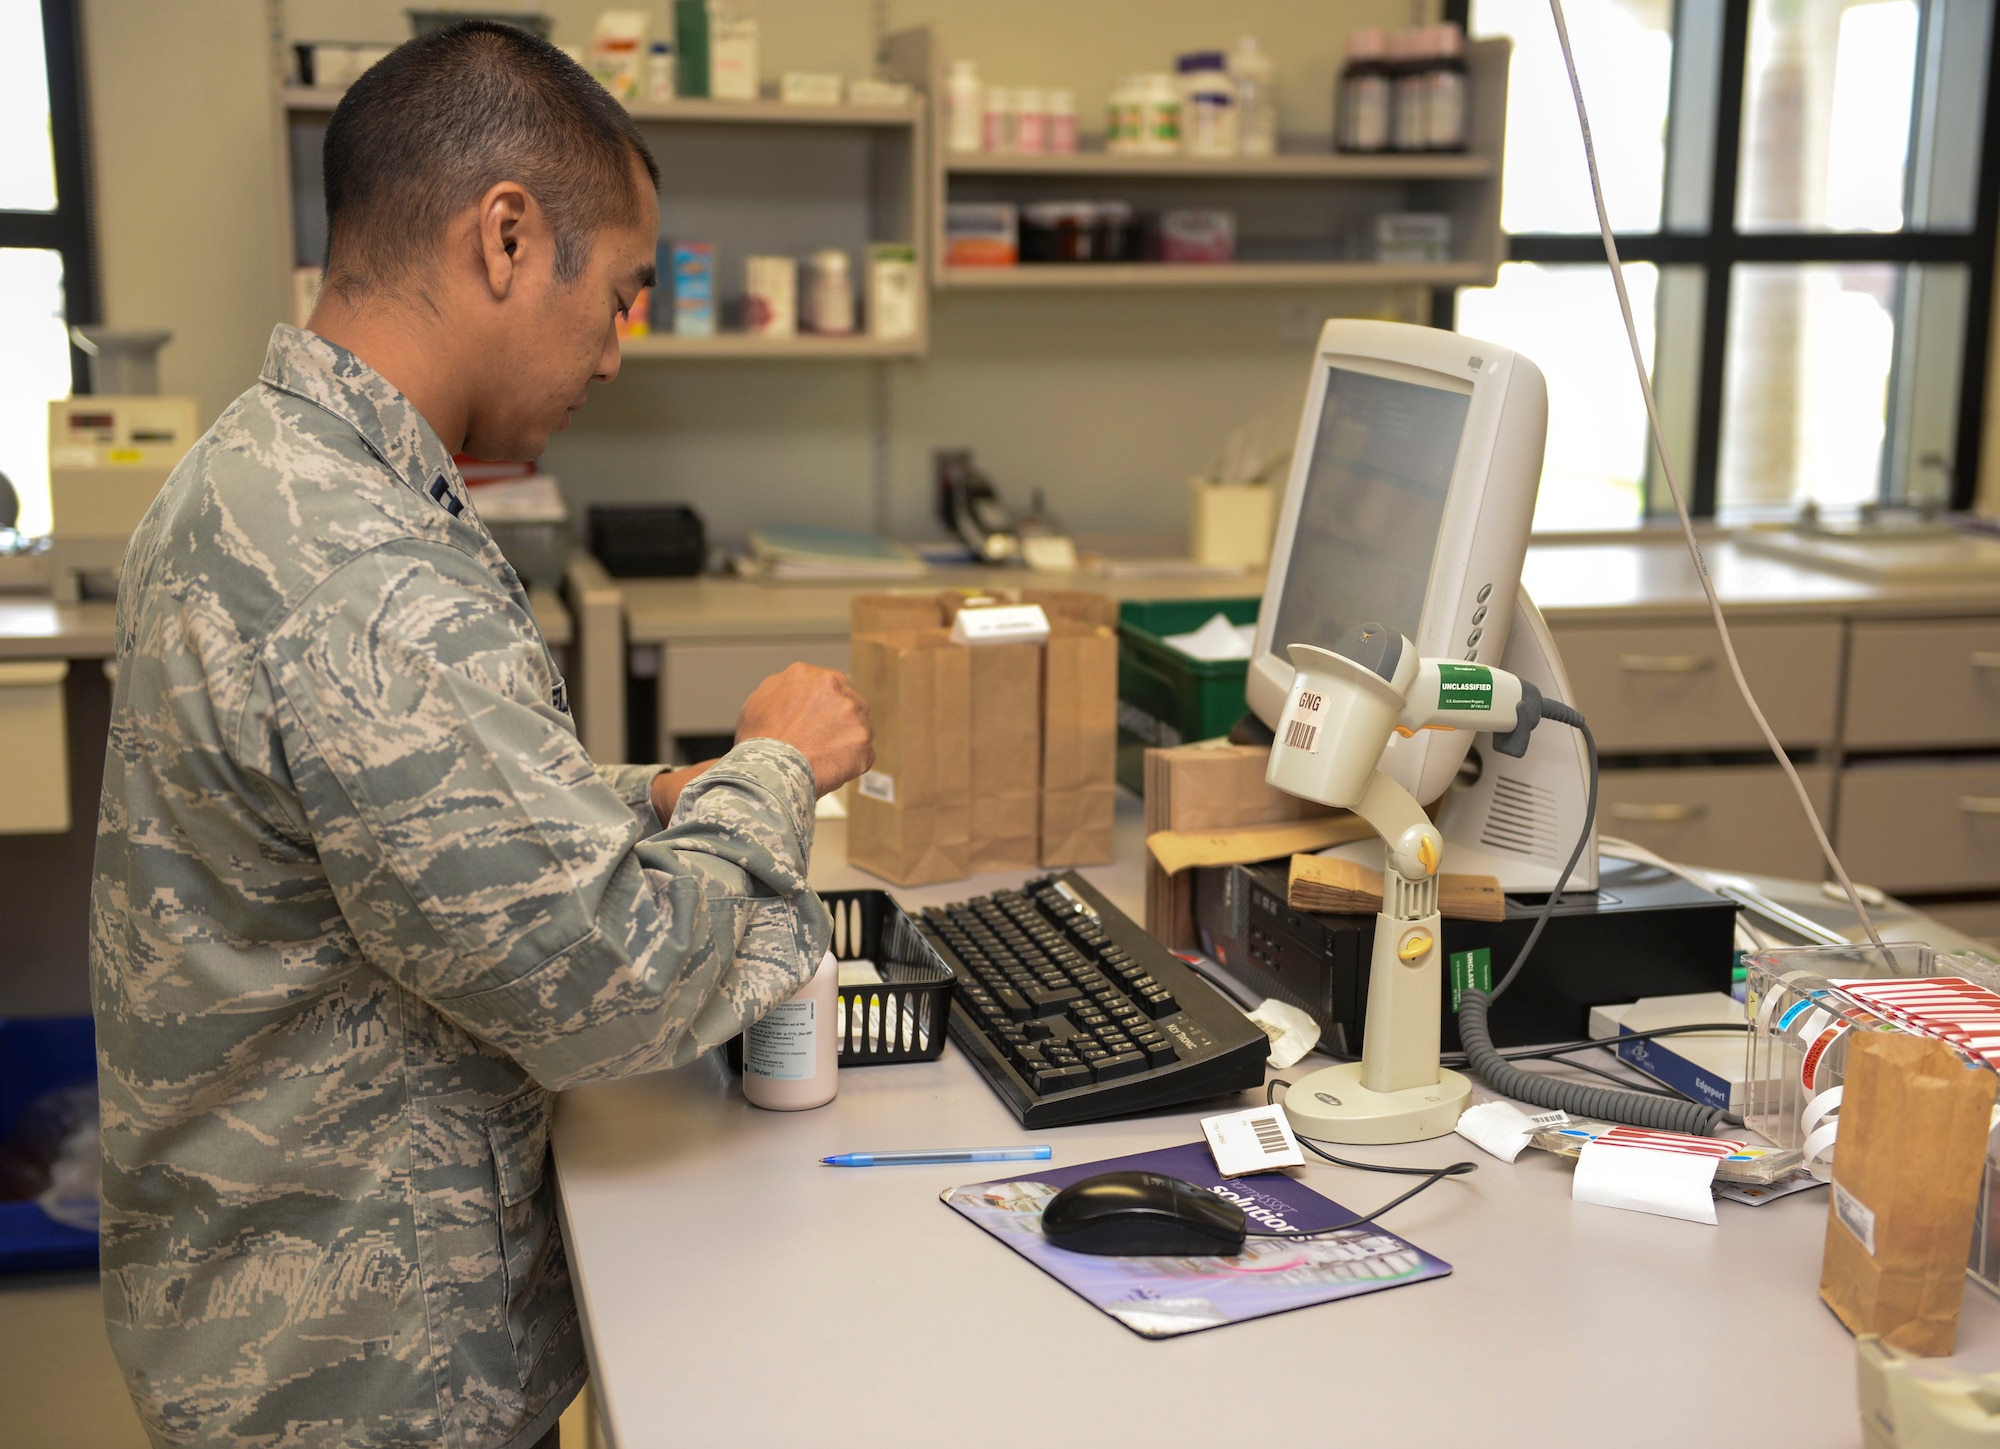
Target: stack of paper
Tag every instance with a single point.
(830, 553)
(1216, 640)
(1328, 883)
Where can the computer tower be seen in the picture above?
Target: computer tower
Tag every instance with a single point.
(1644, 932)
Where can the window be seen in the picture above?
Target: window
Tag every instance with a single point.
(1808, 227)
(45, 261)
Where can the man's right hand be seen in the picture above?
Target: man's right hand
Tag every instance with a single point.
(817, 713)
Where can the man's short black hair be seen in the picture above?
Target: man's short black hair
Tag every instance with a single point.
(428, 129)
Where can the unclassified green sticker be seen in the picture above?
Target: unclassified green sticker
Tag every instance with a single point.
(1465, 686)
(1470, 971)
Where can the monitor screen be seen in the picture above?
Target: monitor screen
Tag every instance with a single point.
(1373, 503)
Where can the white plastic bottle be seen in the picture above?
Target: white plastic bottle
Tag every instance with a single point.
(1122, 117)
(963, 106)
(1159, 115)
(791, 1055)
(1062, 123)
(1031, 121)
(1256, 99)
(1208, 105)
(998, 132)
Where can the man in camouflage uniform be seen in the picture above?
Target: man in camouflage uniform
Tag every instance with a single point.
(361, 901)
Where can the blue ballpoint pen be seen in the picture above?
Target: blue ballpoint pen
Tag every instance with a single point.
(1039, 1153)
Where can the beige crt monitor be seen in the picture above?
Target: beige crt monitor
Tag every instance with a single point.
(1411, 494)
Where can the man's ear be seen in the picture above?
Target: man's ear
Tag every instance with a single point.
(503, 214)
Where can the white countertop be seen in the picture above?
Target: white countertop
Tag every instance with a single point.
(733, 1288)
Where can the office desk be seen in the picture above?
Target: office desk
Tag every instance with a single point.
(734, 1289)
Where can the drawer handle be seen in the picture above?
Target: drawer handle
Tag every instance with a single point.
(1986, 659)
(1666, 663)
(1668, 814)
(1979, 804)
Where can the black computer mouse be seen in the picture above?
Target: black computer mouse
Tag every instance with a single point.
(1142, 1214)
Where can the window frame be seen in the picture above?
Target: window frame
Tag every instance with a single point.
(1720, 248)
(68, 230)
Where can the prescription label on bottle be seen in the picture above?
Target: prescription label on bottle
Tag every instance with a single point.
(781, 1046)
(878, 786)
(1304, 721)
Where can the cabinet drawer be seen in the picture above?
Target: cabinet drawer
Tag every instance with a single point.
(1654, 687)
(1735, 818)
(34, 741)
(703, 686)
(1922, 825)
(1924, 683)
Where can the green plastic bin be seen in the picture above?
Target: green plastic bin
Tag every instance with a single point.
(1164, 696)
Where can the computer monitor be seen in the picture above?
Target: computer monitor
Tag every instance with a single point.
(1411, 493)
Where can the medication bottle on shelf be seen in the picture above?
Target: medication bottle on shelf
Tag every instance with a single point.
(998, 131)
(1061, 122)
(963, 108)
(1122, 116)
(1256, 99)
(829, 293)
(1208, 104)
(1159, 115)
(1445, 107)
(1410, 52)
(660, 71)
(1030, 121)
(1366, 100)
(791, 1056)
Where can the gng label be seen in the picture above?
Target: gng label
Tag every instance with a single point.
(1465, 686)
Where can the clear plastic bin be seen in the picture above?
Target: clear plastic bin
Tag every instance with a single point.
(1802, 1027)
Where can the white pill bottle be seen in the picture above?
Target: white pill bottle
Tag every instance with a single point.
(791, 1055)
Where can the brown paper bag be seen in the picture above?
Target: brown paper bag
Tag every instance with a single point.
(1079, 739)
(1006, 741)
(1906, 1177)
(909, 818)
(1205, 788)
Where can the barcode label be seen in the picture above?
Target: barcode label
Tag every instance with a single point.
(1270, 1134)
(878, 786)
(1303, 718)
(1256, 1140)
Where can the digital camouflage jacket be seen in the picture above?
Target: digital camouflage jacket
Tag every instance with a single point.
(361, 905)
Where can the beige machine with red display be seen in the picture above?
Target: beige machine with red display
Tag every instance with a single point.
(108, 457)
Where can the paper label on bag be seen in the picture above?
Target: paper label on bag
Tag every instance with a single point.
(1855, 1216)
(1304, 720)
(878, 786)
(1004, 624)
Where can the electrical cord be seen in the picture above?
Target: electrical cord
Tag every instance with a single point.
(1641, 1108)
(1680, 503)
(1431, 1177)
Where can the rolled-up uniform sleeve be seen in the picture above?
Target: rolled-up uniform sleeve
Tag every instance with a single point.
(484, 863)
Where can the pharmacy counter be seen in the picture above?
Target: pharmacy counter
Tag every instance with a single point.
(702, 1233)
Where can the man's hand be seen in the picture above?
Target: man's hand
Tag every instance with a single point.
(817, 713)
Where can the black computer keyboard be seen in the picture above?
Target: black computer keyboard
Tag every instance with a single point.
(1074, 1013)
